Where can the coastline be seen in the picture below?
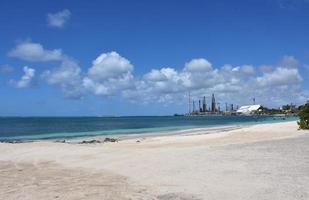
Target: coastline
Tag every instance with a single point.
(242, 163)
(123, 134)
(118, 137)
(214, 129)
(150, 135)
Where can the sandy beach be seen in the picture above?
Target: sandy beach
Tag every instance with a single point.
(265, 161)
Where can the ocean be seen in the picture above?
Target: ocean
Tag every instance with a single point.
(43, 128)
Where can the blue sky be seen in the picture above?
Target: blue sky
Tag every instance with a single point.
(142, 57)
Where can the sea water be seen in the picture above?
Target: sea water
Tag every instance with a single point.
(40, 128)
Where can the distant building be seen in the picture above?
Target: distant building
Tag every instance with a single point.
(249, 110)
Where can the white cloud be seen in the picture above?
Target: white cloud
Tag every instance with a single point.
(266, 68)
(155, 75)
(161, 75)
(281, 76)
(248, 69)
(109, 87)
(165, 80)
(68, 72)
(112, 74)
(58, 19)
(233, 84)
(95, 87)
(109, 74)
(67, 76)
(109, 65)
(198, 65)
(26, 79)
(168, 84)
(30, 51)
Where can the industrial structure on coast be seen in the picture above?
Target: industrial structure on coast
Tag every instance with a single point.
(200, 107)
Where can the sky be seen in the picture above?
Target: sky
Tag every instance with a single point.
(117, 57)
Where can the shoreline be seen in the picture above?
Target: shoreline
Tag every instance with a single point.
(242, 163)
(122, 136)
(181, 132)
(196, 130)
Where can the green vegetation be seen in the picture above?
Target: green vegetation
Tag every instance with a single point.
(288, 109)
(304, 117)
(270, 111)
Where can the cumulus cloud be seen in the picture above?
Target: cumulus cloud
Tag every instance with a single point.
(112, 74)
(156, 75)
(266, 68)
(236, 84)
(281, 76)
(58, 19)
(168, 84)
(30, 51)
(67, 76)
(165, 80)
(26, 79)
(248, 69)
(109, 65)
(198, 65)
(109, 87)
(109, 74)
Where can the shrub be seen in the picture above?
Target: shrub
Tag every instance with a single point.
(304, 117)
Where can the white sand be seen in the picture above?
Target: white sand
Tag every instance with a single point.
(269, 161)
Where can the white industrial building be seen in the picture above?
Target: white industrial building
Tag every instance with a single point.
(249, 110)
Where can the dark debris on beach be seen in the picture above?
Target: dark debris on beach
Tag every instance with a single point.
(98, 141)
(14, 141)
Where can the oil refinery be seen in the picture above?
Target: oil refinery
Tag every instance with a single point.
(200, 107)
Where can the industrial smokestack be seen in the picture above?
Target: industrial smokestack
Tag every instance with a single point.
(213, 103)
(189, 103)
(193, 106)
(204, 104)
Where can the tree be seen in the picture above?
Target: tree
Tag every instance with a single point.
(304, 117)
(286, 107)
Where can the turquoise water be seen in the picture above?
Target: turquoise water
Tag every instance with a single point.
(40, 128)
